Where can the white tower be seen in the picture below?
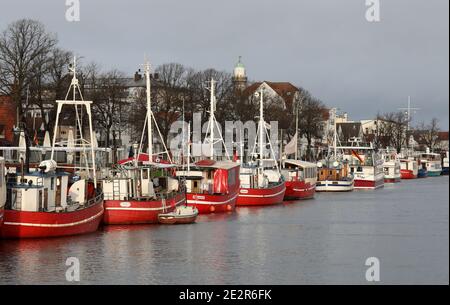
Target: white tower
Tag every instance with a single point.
(239, 77)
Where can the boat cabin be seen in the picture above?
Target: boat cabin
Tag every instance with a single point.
(214, 177)
(296, 170)
(140, 183)
(337, 171)
(43, 192)
(409, 164)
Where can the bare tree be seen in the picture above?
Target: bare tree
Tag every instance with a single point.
(391, 130)
(429, 134)
(109, 102)
(311, 121)
(24, 49)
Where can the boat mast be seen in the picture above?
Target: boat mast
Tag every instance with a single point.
(76, 87)
(296, 132)
(213, 123)
(261, 127)
(189, 148)
(149, 113)
(211, 118)
(335, 133)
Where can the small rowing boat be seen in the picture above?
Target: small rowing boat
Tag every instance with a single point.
(181, 215)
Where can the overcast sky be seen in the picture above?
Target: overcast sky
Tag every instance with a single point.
(325, 46)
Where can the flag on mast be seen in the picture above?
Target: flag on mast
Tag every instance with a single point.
(290, 148)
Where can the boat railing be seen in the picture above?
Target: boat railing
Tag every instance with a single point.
(128, 196)
(94, 200)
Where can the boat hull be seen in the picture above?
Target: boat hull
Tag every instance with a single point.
(334, 186)
(407, 174)
(21, 224)
(299, 190)
(139, 212)
(171, 220)
(369, 184)
(207, 204)
(422, 173)
(434, 173)
(1, 217)
(261, 196)
(392, 179)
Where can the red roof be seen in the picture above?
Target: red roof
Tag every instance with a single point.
(284, 89)
(443, 135)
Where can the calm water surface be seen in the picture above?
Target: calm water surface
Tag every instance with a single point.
(321, 241)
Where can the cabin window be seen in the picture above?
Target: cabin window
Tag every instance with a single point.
(144, 174)
(359, 169)
(52, 184)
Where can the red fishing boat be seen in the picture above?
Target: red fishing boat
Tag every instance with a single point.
(408, 168)
(301, 178)
(211, 186)
(260, 187)
(139, 193)
(261, 180)
(41, 205)
(49, 203)
(140, 188)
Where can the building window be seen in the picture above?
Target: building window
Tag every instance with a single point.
(2, 132)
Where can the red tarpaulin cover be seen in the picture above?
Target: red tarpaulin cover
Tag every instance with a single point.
(144, 158)
(221, 181)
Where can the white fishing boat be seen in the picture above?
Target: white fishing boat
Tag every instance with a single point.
(432, 162)
(333, 173)
(391, 166)
(445, 164)
(365, 164)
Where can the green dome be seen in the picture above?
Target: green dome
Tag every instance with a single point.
(239, 63)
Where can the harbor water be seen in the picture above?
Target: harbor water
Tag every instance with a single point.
(325, 240)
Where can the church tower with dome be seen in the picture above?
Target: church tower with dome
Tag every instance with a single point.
(239, 77)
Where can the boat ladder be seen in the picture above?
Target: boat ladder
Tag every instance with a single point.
(116, 189)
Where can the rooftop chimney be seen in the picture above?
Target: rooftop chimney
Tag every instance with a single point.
(137, 76)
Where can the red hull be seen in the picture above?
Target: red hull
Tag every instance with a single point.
(269, 196)
(369, 184)
(207, 204)
(135, 212)
(407, 174)
(19, 224)
(299, 190)
(391, 180)
(1, 218)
